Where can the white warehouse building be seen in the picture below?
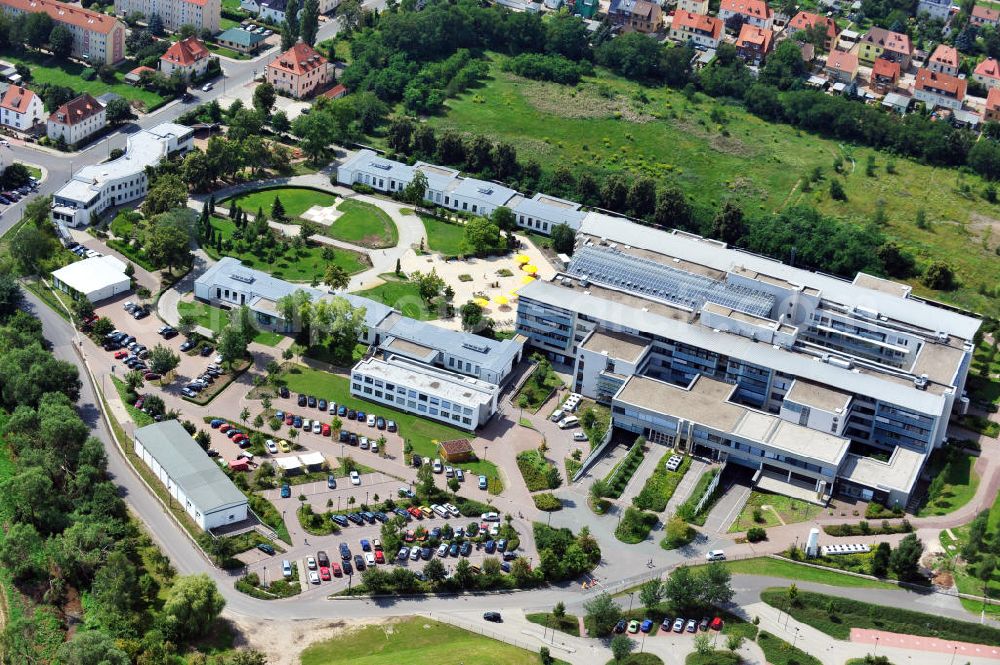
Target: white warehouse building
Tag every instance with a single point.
(95, 279)
(190, 476)
(93, 189)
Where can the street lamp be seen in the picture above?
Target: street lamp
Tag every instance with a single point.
(953, 654)
(630, 594)
(265, 577)
(875, 650)
(796, 638)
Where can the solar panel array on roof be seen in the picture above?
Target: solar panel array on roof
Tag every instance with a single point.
(649, 278)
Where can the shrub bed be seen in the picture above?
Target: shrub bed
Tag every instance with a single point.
(538, 472)
(687, 509)
(623, 471)
(547, 501)
(779, 652)
(864, 529)
(836, 616)
(660, 486)
(635, 526)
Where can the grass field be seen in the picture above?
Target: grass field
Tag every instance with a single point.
(403, 296)
(960, 484)
(420, 432)
(443, 237)
(669, 137)
(770, 567)
(415, 641)
(568, 623)
(46, 69)
(213, 318)
(781, 509)
(363, 224)
(296, 200)
(302, 265)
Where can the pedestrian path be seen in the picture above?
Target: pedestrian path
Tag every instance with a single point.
(684, 488)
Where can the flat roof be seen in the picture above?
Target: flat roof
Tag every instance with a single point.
(487, 353)
(940, 362)
(441, 383)
(187, 465)
(887, 286)
(818, 396)
(899, 473)
(409, 348)
(92, 274)
(616, 345)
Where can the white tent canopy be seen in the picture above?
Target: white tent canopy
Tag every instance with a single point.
(289, 463)
(312, 459)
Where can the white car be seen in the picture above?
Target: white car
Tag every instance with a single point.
(317, 427)
(439, 511)
(371, 420)
(437, 466)
(415, 554)
(490, 517)
(311, 563)
(206, 87)
(442, 550)
(363, 442)
(495, 530)
(370, 558)
(716, 555)
(219, 358)
(355, 478)
(314, 577)
(579, 436)
(452, 510)
(272, 447)
(449, 472)
(306, 424)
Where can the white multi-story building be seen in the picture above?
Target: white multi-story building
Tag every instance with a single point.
(20, 108)
(93, 189)
(808, 379)
(76, 120)
(202, 14)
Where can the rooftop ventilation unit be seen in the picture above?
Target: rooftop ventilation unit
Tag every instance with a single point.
(246, 279)
(472, 346)
(941, 336)
(843, 363)
(920, 382)
(382, 165)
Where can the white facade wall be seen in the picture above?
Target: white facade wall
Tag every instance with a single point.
(933, 100)
(23, 121)
(78, 131)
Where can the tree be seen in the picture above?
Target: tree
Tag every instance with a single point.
(309, 23)
(168, 192)
(429, 285)
(880, 560)
(434, 571)
(29, 247)
(472, 316)
(351, 14)
(784, 66)
(169, 245)
(651, 595)
(279, 122)
(118, 111)
(264, 97)
(672, 208)
(278, 210)
(837, 190)
(20, 552)
(162, 359)
(563, 239)
(192, 607)
(92, 647)
(232, 344)
(642, 197)
(734, 642)
(134, 380)
(602, 613)
(702, 645)
(315, 133)
(290, 30)
(156, 25)
(336, 277)
(715, 582)
(728, 225)
(905, 559)
(482, 235)
(559, 611)
(621, 647)
(681, 590)
(415, 191)
(939, 276)
(61, 42)
(425, 480)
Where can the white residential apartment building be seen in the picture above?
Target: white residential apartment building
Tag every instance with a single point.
(76, 120)
(448, 189)
(97, 38)
(202, 14)
(809, 380)
(93, 189)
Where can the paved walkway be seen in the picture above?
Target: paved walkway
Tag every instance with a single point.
(686, 486)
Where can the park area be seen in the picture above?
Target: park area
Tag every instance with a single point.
(415, 641)
(716, 151)
(402, 295)
(445, 238)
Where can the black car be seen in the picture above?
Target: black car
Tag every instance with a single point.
(322, 558)
(170, 334)
(348, 569)
(493, 616)
(340, 520)
(359, 562)
(466, 549)
(380, 422)
(211, 452)
(356, 518)
(417, 461)
(187, 345)
(352, 414)
(302, 400)
(352, 439)
(206, 351)
(266, 549)
(331, 482)
(343, 436)
(311, 401)
(425, 553)
(620, 626)
(283, 391)
(321, 404)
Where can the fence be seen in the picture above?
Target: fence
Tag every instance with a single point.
(595, 454)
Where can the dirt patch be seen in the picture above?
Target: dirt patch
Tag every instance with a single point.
(583, 101)
(986, 229)
(943, 579)
(729, 145)
(284, 641)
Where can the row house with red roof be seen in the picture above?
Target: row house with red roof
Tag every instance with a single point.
(97, 38)
(981, 16)
(882, 43)
(77, 119)
(754, 44)
(693, 6)
(939, 90)
(20, 108)
(202, 14)
(987, 73)
(807, 21)
(885, 76)
(992, 111)
(944, 60)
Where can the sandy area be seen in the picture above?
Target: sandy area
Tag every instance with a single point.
(284, 641)
(486, 282)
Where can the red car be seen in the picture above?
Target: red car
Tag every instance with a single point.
(716, 624)
(325, 430)
(413, 510)
(225, 427)
(409, 536)
(337, 572)
(379, 556)
(324, 573)
(121, 354)
(151, 376)
(289, 419)
(240, 437)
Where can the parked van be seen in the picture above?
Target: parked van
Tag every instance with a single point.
(286, 568)
(570, 421)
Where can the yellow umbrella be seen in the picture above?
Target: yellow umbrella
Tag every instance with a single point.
(482, 302)
(530, 269)
(522, 258)
(527, 279)
(501, 300)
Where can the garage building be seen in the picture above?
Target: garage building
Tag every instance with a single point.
(95, 279)
(190, 476)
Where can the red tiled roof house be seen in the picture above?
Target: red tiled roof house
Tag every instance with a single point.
(754, 43)
(700, 29)
(20, 108)
(76, 120)
(944, 60)
(885, 76)
(935, 89)
(882, 43)
(841, 66)
(992, 111)
(299, 72)
(754, 12)
(984, 16)
(189, 57)
(807, 20)
(987, 73)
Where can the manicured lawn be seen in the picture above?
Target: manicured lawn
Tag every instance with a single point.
(213, 318)
(295, 265)
(296, 200)
(779, 652)
(538, 388)
(363, 224)
(268, 338)
(415, 641)
(836, 616)
(601, 127)
(568, 623)
(60, 72)
(770, 567)
(781, 509)
(403, 296)
(660, 486)
(420, 432)
(960, 483)
(35, 172)
(444, 237)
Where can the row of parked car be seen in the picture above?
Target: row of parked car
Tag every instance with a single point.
(136, 311)
(678, 625)
(202, 381)
(78, 249)
(342, 411)
(15, 195)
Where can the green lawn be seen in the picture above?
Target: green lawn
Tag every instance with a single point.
(770, 567)
(45, 69)
(420, 432)
(660, 486)
(213, 318)
(363, 224)
(295, 265)
(444, 237)
(960, 483)
(603, 126)
(836, 616)
(781, 509)
(965, 579)
(401, 295)
(415, 641)
(296, 200)
(568, 623)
